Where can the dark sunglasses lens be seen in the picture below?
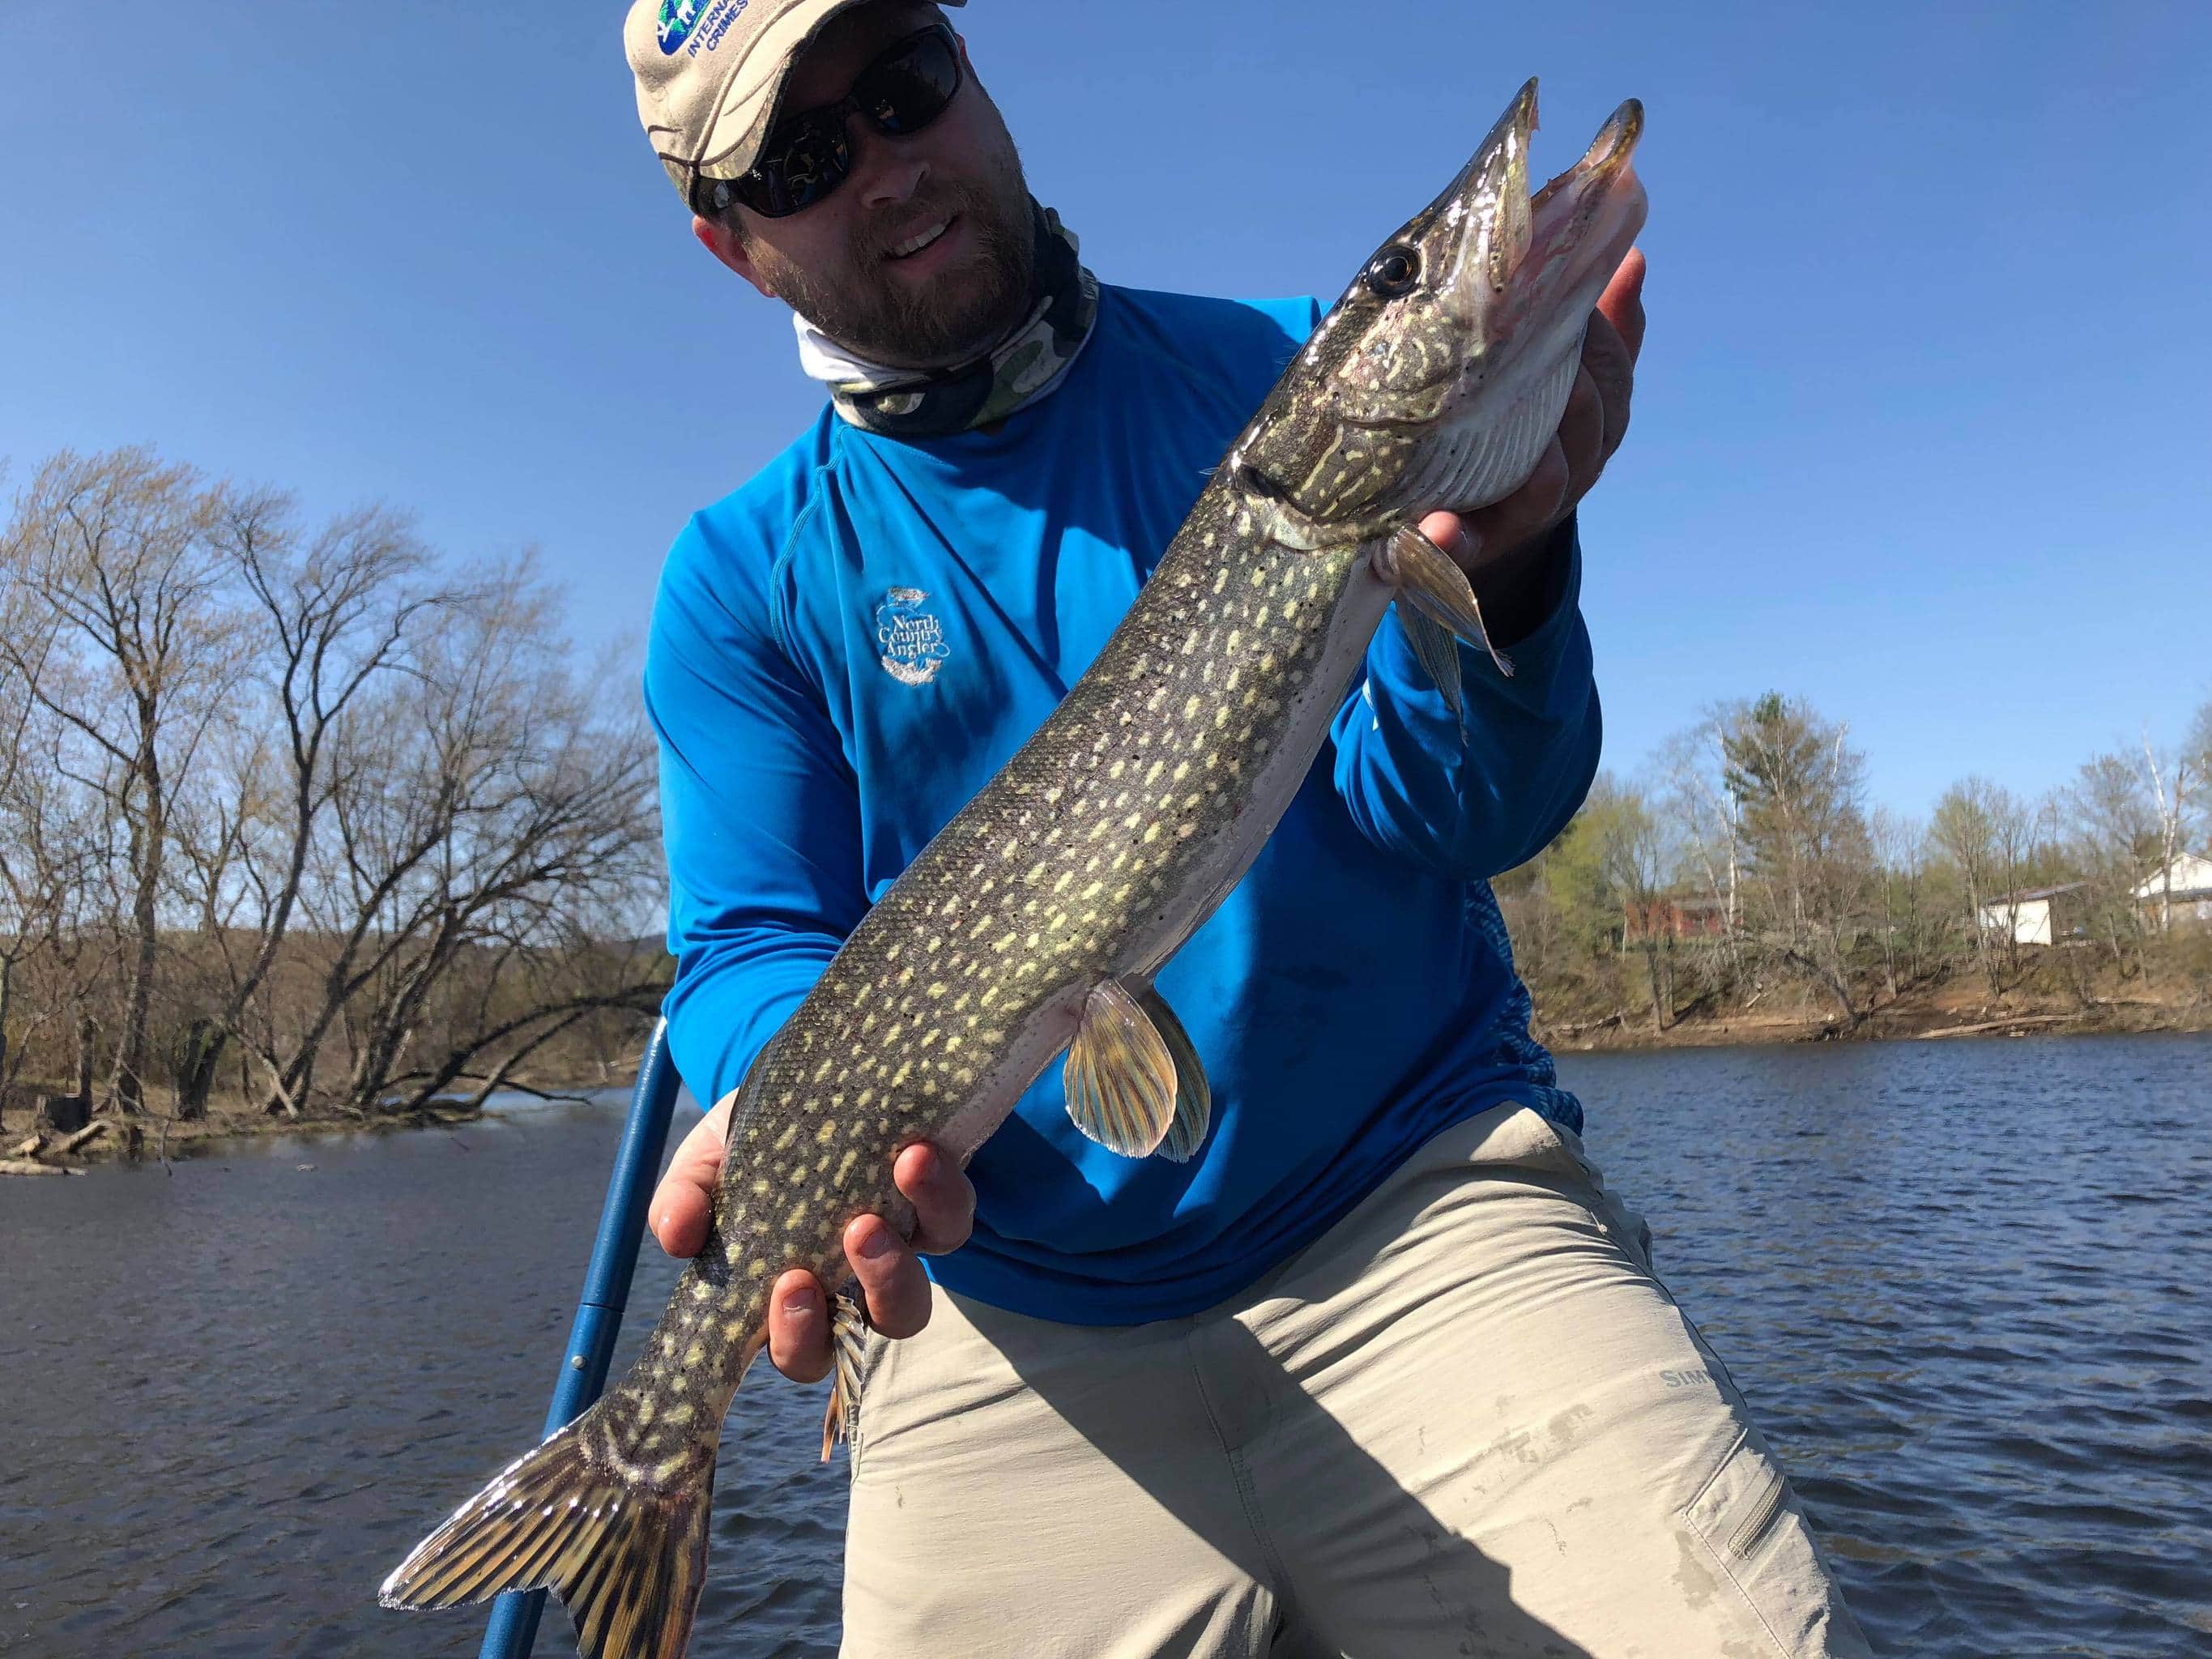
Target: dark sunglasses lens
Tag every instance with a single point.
(906, 91)
(805, 165)
(807, 157)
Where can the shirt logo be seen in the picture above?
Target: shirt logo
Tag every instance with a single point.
(913, 640)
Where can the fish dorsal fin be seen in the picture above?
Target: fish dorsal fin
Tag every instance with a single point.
(1120, 1076)
(1193, 1108)
(1427, 579)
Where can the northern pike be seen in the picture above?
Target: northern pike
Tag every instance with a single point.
(1035, 922)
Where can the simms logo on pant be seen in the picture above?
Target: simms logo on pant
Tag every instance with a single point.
(682, 19)
(913, 640)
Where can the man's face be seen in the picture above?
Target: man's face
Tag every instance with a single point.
(834, 262)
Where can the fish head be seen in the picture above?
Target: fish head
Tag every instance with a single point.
(1439, 379)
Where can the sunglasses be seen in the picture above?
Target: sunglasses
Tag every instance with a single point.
(806, 156)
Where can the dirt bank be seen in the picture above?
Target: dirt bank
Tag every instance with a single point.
(1951, 1011)
(159, 1134)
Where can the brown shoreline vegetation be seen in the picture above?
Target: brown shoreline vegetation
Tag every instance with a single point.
(1740, 890)
(160, 1136)
(1953, 1012)
(1957, 1011)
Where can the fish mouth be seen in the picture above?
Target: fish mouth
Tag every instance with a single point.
(1586, 219)
(1506, 243)
(1610, 153)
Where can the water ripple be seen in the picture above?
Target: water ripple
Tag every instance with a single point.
(1962, 1285)
(1956, 1284)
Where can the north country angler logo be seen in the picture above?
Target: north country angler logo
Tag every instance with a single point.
(709, 19)
(913, 640)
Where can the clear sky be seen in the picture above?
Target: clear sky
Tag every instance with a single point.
(1923, 431)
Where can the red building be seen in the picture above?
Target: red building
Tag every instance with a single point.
(1674, 918)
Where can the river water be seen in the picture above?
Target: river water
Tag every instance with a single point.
(1966, 1286)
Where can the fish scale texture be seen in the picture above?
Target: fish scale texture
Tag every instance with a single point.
(1117, 819)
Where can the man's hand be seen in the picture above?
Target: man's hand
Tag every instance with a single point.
(1501, 546)
(887, 1267)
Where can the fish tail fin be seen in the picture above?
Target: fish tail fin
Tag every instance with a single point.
(625, 1553)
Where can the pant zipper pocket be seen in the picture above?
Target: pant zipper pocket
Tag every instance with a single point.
(1755, 1525)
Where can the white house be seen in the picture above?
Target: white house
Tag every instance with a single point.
(2039, 916)
(2186, 886)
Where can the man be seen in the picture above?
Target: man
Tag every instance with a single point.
(1383, 1368)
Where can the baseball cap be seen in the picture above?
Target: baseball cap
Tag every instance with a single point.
(708, 74)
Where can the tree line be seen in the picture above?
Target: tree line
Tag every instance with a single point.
(302, 812)
(1745, 865)
(309, 816)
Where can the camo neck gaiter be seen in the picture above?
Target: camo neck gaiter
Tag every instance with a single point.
(1024, 366)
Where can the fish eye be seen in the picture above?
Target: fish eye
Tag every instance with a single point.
(1394, 270)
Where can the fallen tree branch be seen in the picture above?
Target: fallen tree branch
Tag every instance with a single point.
(1567, 1028)
(2001, 1024)
(85, 1137)
(457, 1063)
(280, 1101)
(22, 1166)
(495, 1085)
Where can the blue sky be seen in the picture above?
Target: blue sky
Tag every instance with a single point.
(1923, 433)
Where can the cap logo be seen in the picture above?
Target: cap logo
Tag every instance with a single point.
(689, 25)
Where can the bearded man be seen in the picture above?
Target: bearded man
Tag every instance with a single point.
(1383, 1368)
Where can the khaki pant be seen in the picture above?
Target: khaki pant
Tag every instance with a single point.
(1468, 1420)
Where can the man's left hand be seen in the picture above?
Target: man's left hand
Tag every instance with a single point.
(1501, 546)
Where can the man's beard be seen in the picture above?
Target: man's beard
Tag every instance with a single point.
(954, 318)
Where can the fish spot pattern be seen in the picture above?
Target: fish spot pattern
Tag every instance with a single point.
(1099, 830)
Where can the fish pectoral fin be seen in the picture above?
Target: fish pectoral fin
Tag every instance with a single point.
(1194, 1106)
(1120, 1076)
(849, 1337)
(1426, 576)
(1437, 653)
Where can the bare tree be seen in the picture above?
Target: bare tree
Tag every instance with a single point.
(1964, 828)
(45, 869)
(2196, 749)
(2012, 826)
(1635, 857)
(58, 848)
(1801, 786)
(1900, 848)
(2115, 840)
(2172, 780)
(27, 899)
(127, 646)
(1706, 821)
(482, 810)
(304, 797)
(330, 618)
(45, 860)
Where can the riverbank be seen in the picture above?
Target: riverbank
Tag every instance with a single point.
(1951, 1011)
(158, 1134)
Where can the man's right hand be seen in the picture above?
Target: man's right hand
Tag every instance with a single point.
(887, 1267)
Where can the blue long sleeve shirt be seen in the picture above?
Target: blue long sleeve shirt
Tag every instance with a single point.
(846, 649)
